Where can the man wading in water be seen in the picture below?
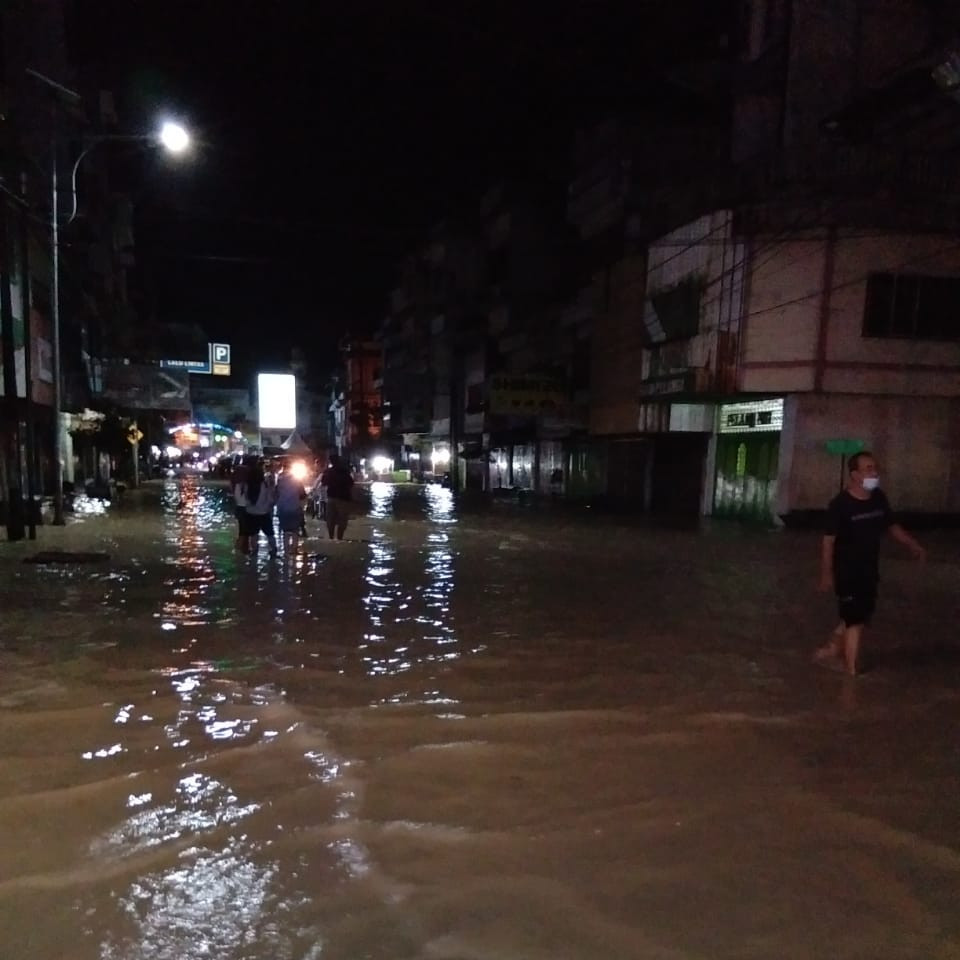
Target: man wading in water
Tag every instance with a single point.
(338, 481)
(857, 519)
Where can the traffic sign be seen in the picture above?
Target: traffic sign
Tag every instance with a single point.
(220, 357)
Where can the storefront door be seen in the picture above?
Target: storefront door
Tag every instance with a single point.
(746, 484)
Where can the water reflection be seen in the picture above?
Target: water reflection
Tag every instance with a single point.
(198, 535)
(84, 505)
(196, 822)
(199, 804)
(160, 805)
(439, 503)
(384, 592)
(409, 606)
(224, 880)
(181, 909)
(381, 500)
(212, 904)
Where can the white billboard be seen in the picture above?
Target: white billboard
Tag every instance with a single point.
(277, 401)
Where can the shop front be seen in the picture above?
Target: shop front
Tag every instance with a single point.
(747, 458)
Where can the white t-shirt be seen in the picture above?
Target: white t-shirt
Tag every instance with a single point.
(264, 502)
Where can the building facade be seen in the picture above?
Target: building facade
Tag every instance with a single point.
(362, 419)
(764, 280)
(48, 96)
(482, 361)
(817, 314)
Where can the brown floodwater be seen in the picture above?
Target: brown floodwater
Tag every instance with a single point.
(507, 735)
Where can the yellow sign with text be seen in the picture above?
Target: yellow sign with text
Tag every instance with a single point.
(527, 395)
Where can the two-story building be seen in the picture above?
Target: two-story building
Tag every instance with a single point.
(631, 179)
(817, 313)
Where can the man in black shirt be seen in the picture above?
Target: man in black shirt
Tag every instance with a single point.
(338, 480)
(857, 519)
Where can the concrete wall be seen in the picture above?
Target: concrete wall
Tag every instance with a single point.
(782, 312)
(617, 351)
(929, 361)
(916, 441)
(703, 250)
(779, 342)
(699, 248)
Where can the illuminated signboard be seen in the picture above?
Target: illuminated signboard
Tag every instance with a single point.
(526, 395)
(754, 416)
(220, 359)
(277, 401)
(187, 366)
(217, 362)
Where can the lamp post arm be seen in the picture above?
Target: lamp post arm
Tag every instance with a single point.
(92, 145)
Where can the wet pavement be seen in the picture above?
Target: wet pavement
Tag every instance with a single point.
(498, 736)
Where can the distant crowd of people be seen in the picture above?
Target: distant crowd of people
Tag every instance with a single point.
(260, 490)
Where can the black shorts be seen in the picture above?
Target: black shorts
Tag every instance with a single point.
(290, 521)
(253, 523)
(856, 603)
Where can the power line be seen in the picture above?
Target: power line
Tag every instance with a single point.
(752, 267)
(855, 281)
(820, 291)
(216, 258)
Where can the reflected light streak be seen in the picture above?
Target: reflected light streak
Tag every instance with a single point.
(410, 620)
(381, 500)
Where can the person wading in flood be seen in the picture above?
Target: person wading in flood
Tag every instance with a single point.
(256, 495)
(338, 481)
(290, 497)
(857, 519)
(239, 480)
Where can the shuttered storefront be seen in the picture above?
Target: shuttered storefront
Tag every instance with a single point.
(748, 452)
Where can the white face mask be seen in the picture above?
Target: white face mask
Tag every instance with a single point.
(871, 483)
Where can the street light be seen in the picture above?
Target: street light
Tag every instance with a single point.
(173, 138)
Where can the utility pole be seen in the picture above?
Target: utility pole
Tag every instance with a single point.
(33, 508)
(11, 452)
(59, 96)
(58, 437)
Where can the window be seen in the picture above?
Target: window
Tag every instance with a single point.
(678, 308)
(580, 368)
(912, 306)
(476, 398)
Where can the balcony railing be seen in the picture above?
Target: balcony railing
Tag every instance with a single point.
(705, 364)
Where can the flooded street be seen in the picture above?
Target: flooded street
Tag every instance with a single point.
(499, 736)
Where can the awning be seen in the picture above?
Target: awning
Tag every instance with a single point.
(295, 445)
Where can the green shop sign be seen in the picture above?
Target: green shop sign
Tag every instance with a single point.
(845, 447)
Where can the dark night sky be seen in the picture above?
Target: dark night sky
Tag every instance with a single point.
(335, 134)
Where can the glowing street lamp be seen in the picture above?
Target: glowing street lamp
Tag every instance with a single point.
(171, 136)
(174, 139)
